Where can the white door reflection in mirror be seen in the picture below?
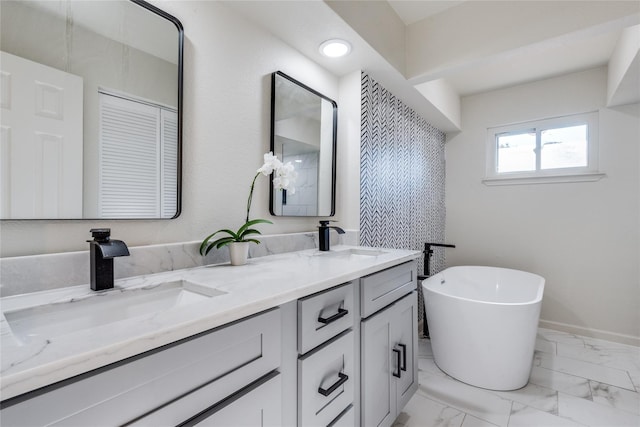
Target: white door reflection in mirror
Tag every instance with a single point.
(41, 153)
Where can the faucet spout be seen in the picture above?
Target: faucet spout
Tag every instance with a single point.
(324, 236)
(112, 248)
(102, 250)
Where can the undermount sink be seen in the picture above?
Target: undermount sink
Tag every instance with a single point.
(355, 252)
(100, 308)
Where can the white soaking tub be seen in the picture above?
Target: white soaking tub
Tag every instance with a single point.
(483, 323)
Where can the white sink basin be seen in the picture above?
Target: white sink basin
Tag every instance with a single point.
(354, 252)
(100, 308)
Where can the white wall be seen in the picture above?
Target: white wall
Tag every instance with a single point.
(348, 159)
(228, 63)
(582, 237)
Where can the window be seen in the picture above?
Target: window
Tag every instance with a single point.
(561, 149)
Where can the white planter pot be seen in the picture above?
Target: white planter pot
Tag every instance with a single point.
(238, 252)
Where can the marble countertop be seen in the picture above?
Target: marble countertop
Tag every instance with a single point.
(262, 283)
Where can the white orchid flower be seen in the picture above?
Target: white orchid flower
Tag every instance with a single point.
(271, 163)
(285, 178)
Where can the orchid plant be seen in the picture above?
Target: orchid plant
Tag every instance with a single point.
(284, 179)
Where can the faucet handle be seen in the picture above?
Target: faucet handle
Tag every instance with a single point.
(325, 222)
(101, 234)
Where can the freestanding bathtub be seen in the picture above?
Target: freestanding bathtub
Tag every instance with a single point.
(483, 323)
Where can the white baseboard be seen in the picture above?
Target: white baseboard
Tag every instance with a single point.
(589, 332)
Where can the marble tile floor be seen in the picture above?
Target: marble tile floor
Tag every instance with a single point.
(575, 381)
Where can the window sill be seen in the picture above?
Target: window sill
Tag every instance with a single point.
(549, 179)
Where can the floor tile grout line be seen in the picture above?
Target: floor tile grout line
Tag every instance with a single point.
(611, 406)
(625, 371)
(602, 405)
(576, 337)
(588, 379)
(563, 373)
(635, 387)
(510, 412)
(603, 364)
(463, 418)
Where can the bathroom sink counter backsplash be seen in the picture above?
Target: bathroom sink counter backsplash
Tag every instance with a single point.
(241, 291)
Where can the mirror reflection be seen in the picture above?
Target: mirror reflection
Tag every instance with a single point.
(90, 94)
(304, 124)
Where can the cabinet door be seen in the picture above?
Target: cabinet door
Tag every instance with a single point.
(405, 339)
(258, 406)
(378, 400)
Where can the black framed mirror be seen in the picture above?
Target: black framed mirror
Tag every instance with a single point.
(91, 110)
(304, 132)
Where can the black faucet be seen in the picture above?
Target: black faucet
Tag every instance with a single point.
(323, 231)
(102, 250)
(428, 251)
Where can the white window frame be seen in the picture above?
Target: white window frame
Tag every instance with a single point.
(540, 176)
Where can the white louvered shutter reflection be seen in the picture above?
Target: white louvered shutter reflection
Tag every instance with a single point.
(169, 139)
(138, 159)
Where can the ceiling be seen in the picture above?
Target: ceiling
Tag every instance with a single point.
(411, 11)
(546, 52)
(418, 48)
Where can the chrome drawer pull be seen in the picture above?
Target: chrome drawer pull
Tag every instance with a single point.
(397, 374)
(341, 313)
(342, 378)
(404, 356)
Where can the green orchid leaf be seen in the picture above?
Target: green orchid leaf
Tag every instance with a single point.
(252, 222)
(223, 242)
(205, 247)
(249, 231)
(231, 233)
(257, 242)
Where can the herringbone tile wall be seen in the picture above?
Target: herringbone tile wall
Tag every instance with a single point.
(402, 171)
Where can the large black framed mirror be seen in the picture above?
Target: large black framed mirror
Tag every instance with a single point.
(304, 132)
(91, 110)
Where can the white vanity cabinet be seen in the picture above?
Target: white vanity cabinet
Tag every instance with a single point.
(167, 386)
(389, 344)
(343, 356)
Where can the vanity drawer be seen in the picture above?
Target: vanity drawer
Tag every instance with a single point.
(259, 404)
(380, 289)
(326, 382)
(223, 361)
(324, 315)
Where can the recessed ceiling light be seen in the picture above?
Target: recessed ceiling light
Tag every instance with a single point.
(335, 48)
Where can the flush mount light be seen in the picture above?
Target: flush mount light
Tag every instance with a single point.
(335, 48)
